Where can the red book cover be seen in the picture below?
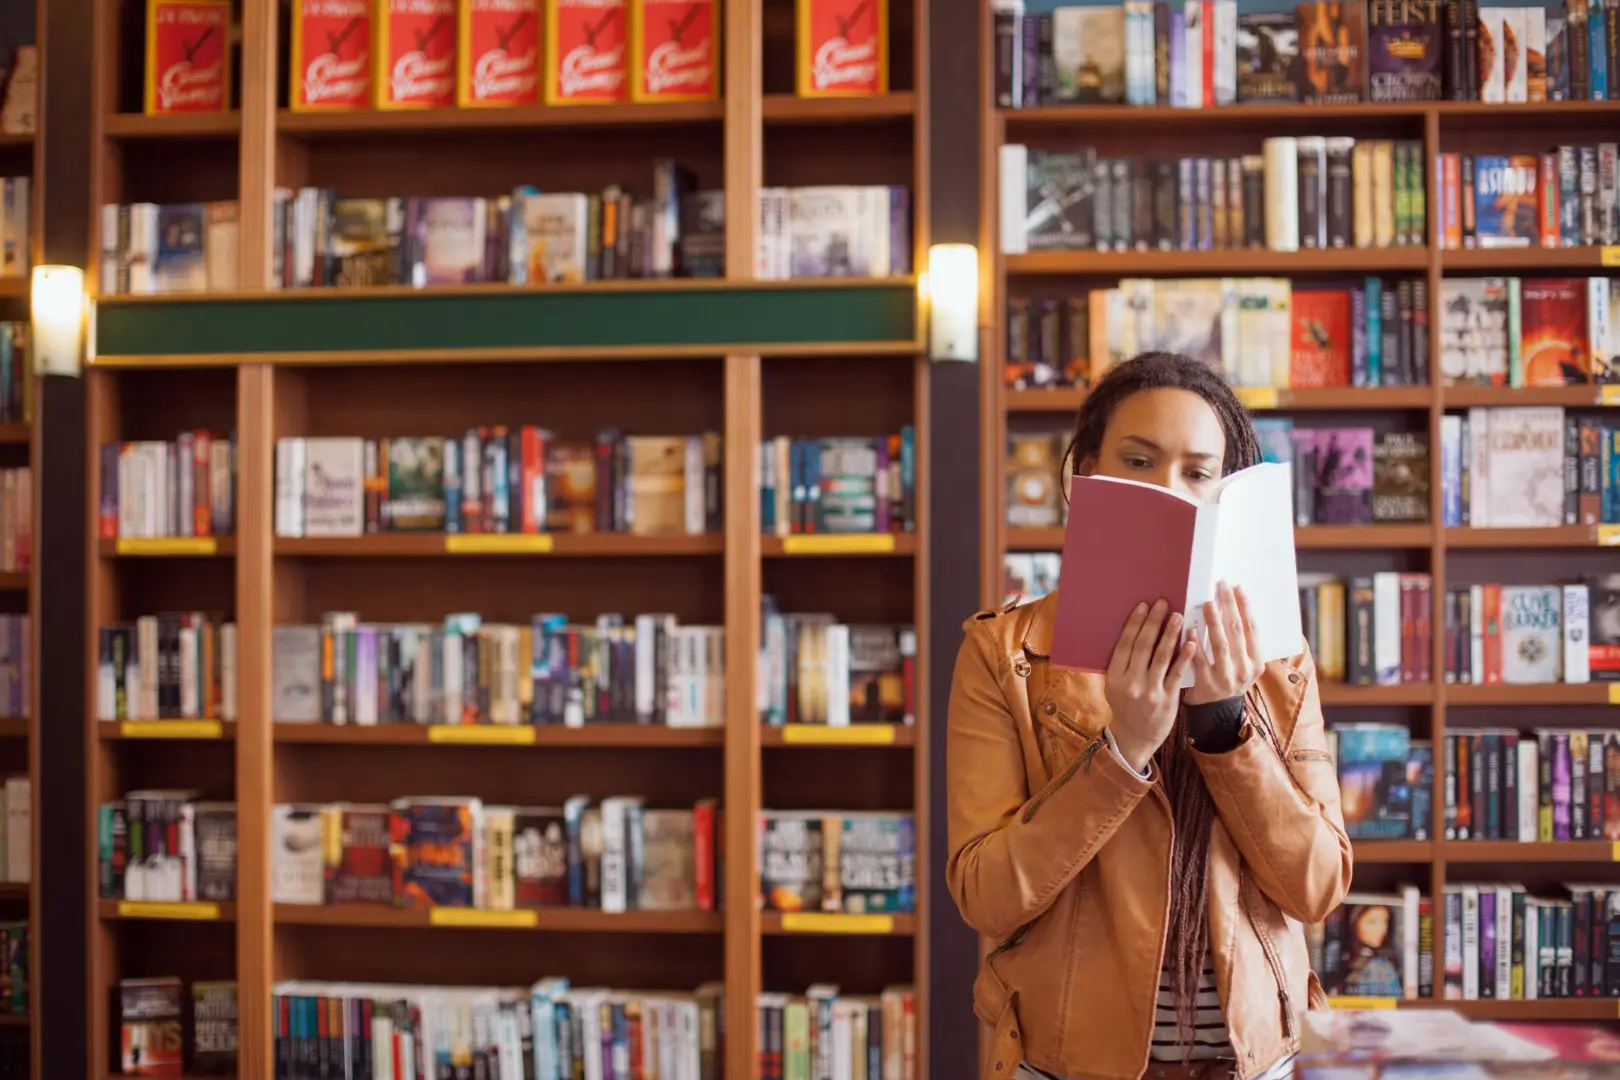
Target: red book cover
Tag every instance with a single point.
(1096, 590)
(416, 54)
(331, 55)
(1128, 543)
(1552, 332)
(1321, 337)
(188, 57)
(500, 53)
(586, 52)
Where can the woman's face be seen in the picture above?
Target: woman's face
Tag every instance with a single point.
(1167, 437)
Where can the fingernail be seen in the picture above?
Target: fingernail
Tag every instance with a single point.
(1141, 608)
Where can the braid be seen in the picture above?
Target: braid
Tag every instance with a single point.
(1191, 807)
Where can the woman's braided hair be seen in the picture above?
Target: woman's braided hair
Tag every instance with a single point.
(1192, 808)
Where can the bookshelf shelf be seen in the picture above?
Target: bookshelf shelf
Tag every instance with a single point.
(857, 737)
(434, 121)
(839, 544)
(546, 920)
(1566, 1010)
(491, 545)
(1349, 694)
(218, 547)
(1568, 536)
(16, 434)
(15, 581)
(1161, 117)
(790, 109)
(591, 737)
(1592, 693)
(133, 127)
(776, 924)
(115, 910)
(1568, 397)
(14, 727)
(1393, 851)
(1527, 259)
(1509, 851)
(1239, 262)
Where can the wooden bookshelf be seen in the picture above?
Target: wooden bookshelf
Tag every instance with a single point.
(748, 358)
(1465, 555)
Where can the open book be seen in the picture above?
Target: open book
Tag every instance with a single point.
(1128, 543)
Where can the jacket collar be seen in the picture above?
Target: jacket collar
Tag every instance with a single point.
(1037, 628)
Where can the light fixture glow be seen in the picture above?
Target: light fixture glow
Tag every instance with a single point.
(953, 302)
(57, 307)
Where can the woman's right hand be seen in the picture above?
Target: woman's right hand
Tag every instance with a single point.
(1143, 684)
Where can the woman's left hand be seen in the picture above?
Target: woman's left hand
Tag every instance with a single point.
(1232, 664)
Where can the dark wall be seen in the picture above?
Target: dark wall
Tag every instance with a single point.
(59, 792)
(954, 512)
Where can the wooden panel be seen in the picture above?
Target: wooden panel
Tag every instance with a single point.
(573, 400)
(472, 162)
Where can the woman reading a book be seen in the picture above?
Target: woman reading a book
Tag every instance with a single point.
(1144, 858)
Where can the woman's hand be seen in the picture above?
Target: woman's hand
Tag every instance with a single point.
(1143, 684)
(1232, 665)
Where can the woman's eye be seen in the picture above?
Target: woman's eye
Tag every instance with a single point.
(1199, 477)
(1138, 462)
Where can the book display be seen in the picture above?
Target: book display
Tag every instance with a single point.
(506, 434)
(1390, 224)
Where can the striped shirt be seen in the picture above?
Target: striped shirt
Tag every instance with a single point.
(1209, 1035)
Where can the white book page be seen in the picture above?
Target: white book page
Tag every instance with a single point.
(1251, 547)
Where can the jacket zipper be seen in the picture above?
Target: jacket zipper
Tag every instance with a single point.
(1271, 954)
(1012, 940)
(1081, 762)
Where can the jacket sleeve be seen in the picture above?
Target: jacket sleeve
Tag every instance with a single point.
(1281, 803)
(1012, 851)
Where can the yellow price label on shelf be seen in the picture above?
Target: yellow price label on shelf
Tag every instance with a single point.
(839, 544)
(1609, 394)
(1614, 851)
(854, 735)
(1257, 397)
(817, 922)
(481, 734)
(477, 917)
(1614, 693)
(196, 911)
(1363, 1004)
(1608, 536)
(171, 729)
(497, 543)
(172, 545)
(1609, 256)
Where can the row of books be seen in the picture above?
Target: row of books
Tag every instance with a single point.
(16, 519)
(14, 967)
(834, 231)
(847, 484)
(1489, 942)
(1528, 467)
(495, 479)
(1310, 192)
(814, 669)
(1343, 475)
(1386, 781)
(172, 665)
(1259, 331)
(16, 373)
(159, 1037)
(1545, 785)
(837, 861)
(166, 845)
(550, 1031)
(1496, 941)
(16, 666)
(1203, 53)
(152, 488)
(1509, 331)
(1533, 634)
(1563, 197)
(16, 247)
(1371, 630)
(614, 854)
(646, 669)
(16, 830)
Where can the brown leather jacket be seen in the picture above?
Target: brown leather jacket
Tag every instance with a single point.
(1061, 855)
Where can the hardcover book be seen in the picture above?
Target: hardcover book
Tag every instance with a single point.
(1128, 543)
